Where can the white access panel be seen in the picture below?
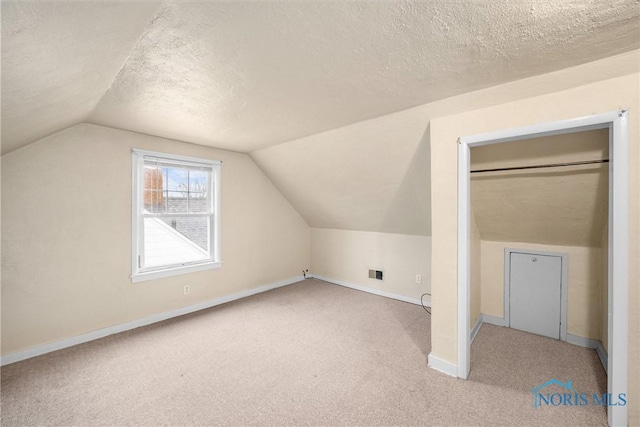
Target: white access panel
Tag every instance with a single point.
(535, 289)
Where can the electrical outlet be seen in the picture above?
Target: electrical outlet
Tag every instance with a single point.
(418, 278)
(187, 289)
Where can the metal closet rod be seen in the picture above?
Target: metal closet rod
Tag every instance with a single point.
(551, 165)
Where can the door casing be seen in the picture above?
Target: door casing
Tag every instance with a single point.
(618, 257)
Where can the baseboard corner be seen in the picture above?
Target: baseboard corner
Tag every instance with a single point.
(443, 366)
(476, 328)
(493, 320)
(604, 356)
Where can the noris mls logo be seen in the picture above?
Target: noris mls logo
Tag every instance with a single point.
(569, 397)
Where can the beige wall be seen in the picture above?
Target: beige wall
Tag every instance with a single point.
(600, 96)
(583, 287)
(559, 206)
(66, 236)
(348, 255)
(475, 273)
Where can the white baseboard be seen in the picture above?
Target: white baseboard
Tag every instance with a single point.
(582, 341)
(604, 357)
(476, 328)
(372, 291)
(590, 343)
(101, 333)
(443, 366)
(493, 320)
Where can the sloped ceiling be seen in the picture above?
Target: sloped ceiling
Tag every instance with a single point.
(58, 59)
(248, 75)
(558, 206)
(312, 90)
(369, 176)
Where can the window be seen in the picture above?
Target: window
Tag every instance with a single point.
(176, 204)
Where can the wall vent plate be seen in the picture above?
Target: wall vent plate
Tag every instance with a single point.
(376, 274)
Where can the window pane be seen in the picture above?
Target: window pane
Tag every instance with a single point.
(153, 189)
(170, 188)
(177, 189)
(199, 191)
(174, 208)
(170, 241)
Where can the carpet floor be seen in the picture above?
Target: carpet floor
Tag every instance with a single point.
(311, 353)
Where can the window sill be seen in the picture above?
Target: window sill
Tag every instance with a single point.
(151, 275)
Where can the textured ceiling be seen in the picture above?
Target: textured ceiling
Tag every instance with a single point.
(247, 75)
(559, 206)
(58, 59)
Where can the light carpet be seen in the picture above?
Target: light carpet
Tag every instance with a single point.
(311, 353)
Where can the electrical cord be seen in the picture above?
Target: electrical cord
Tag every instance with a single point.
(427, 309)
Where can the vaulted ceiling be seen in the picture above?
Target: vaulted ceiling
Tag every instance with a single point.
(248, 75)
(58, 59)
(319, 93)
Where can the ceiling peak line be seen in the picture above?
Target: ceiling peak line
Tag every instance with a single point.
(145, 30)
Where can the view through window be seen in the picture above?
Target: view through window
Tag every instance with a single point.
(175, 202)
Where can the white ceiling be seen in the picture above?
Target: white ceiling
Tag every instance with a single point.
(58, 59)
(247, 75)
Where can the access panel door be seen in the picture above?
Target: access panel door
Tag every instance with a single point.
(535, 293)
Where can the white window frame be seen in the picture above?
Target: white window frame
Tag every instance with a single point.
(139, 274)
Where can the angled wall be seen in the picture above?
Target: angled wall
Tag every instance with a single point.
(66, 236)
(364, 189)
(369, 176)
(375, 176)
